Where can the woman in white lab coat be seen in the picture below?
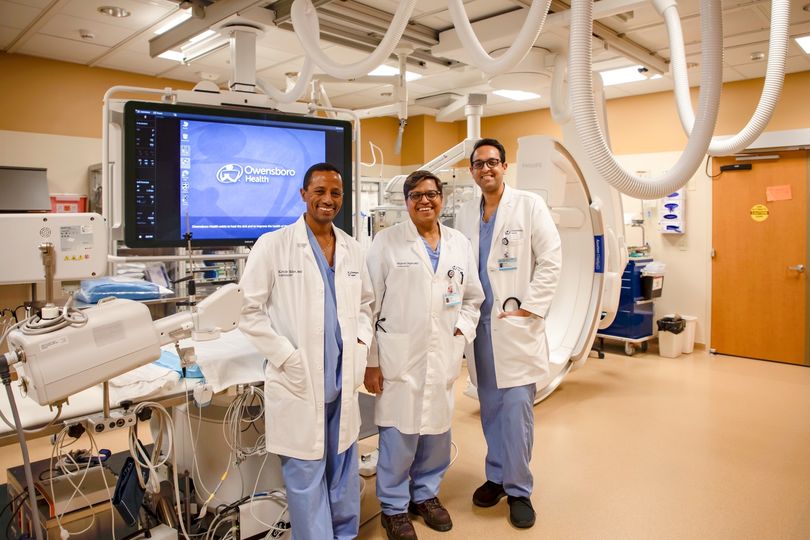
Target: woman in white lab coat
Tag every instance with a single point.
(426, 310)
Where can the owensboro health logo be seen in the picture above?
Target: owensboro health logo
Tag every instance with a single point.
(233, 172)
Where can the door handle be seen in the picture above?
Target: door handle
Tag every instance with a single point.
(798, 267)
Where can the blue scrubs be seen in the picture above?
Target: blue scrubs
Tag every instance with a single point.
(324, 495)
(507, 417)
(433, 255)
(411, 466)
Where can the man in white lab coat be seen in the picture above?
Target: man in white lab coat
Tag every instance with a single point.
(517, 249)
(308, 310)
(426, 310)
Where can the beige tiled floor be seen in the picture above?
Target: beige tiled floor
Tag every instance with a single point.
(644, 447)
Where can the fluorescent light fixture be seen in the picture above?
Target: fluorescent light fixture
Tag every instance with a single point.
(623, 75)
(172, 55)
(201, 36)
(203, 44)
(383, 70)
(516, 95)
(804, 43)
(174, 20)
(756, 157)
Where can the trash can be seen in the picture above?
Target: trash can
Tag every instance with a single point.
(688, 340)
(670, 330)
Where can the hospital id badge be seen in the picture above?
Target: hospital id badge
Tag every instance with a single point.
(507, 263)
(452, 299)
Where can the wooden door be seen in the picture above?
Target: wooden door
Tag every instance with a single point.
(759, 238)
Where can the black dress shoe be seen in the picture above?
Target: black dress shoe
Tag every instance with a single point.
(488, 494)
(521, 513)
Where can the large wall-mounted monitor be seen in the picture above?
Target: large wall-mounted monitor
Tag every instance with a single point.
(228, 174)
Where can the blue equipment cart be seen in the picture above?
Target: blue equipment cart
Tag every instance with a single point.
(634, 319)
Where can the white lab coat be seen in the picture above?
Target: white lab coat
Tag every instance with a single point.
(519, 343)
(418, 354)
(283, 315)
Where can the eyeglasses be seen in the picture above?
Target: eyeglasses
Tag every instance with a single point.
(491, 163)
(416, 196)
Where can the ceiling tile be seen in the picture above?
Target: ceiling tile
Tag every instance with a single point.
(16, 15)
(7, 35)
(142, 13)
(127, 60)
(67, 27)
(61, 49)
(33, 3)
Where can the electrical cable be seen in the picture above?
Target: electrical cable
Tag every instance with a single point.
(39, 429)
(134, 450)
(29, 477)
(68, 316)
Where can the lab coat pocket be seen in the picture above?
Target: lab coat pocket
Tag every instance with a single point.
(520, 338)
(294, 374)
(360, 363)
(454, 367)
(394, 354)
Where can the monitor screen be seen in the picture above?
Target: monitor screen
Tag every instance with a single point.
(227, 174)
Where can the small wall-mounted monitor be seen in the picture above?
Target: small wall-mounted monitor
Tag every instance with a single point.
(227, 174)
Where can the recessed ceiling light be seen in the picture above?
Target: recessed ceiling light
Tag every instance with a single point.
(383, 70)
(114, 11)
(516, 95)
(804, 43)
(756, 56)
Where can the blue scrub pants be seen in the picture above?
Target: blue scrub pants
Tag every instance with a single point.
(410, 468)
(323, 495)
(507, 417)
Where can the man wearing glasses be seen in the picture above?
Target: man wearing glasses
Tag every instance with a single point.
(426, 310)
(517, 249)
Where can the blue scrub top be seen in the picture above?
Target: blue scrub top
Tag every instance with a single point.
(485, 231)
(433, 255)
(332, 338)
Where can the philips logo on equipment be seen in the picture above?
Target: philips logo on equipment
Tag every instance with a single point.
(232, 173)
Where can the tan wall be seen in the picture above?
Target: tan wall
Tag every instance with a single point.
(383, 133)
(48, 96)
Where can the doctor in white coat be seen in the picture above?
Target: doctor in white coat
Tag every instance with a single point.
(517, 248)
(307, 309)
(426, 311)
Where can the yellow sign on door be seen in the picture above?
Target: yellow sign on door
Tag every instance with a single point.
(759, 212)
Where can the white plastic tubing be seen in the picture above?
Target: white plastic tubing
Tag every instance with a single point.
(516, 52)
(307, 28)
(298, 89)
(772, 89)
(583, 110)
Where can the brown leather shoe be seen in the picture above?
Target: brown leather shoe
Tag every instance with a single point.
(434, 513)
(398, 527)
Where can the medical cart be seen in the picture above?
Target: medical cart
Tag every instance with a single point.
(634, 319)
